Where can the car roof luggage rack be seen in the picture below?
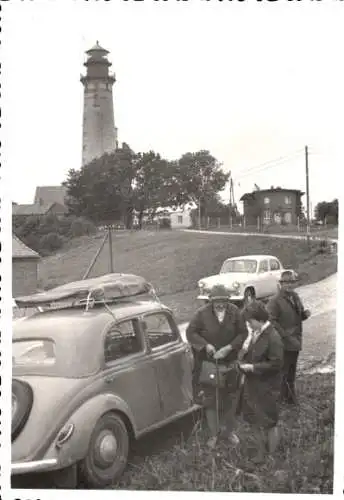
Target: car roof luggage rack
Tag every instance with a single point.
(106, 289)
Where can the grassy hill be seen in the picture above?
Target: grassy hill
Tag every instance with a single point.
(174, 261)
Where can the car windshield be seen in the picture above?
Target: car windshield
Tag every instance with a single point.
(239, 266)
(33, 353)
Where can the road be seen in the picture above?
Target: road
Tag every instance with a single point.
(265, 235)
(319, 337)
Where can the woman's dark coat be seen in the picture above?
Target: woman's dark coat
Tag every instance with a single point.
(259, 401)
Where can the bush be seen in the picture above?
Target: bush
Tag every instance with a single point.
(81, 227)
(51, 242)
(47, 234)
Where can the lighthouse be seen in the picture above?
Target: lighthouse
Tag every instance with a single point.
(99, 134)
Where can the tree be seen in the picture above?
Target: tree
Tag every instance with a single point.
(197, 177)
(151, 184)
(327, 211)
(102, 189)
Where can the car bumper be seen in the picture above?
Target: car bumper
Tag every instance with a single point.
(34, 466)
(234, 298)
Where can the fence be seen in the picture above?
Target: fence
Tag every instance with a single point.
(240, 225)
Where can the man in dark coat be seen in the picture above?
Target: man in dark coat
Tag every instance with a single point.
(217, 331)
(287, 313)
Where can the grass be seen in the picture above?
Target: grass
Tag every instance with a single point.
(174, 261)
(176, 458)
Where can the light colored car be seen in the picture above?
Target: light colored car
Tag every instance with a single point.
(248, 277)
(101, 366)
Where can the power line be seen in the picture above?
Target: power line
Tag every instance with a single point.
(258, 171)
(279, 160)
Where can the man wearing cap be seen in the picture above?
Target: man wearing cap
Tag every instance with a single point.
(217, 331)
(287, 313)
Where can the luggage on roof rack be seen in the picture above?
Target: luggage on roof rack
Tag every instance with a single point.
(104, 289)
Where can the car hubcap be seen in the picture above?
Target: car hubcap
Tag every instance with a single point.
(106, 449)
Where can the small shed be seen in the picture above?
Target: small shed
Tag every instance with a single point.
(24, 268)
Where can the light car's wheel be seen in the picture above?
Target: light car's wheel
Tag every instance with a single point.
(250, 295)
(22, 399)
(107, 454)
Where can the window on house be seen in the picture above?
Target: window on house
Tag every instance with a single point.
(288, 218)
(122, 340)
(180, 219)
(159, 330)
(287, 200)
(266, 201)
(267, 216)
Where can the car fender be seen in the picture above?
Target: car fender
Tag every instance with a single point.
(84, 420)
(250, 284)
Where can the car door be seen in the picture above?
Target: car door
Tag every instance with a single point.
(130, 372)
(172, 358)
(275, 271)
(264, 279)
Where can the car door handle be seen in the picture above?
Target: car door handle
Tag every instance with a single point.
(109, 379)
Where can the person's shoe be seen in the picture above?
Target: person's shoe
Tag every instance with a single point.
(212, 442)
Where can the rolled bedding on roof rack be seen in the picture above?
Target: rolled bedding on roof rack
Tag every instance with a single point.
(103, 289)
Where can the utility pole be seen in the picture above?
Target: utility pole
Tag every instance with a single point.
(307, 194)
(110, 248)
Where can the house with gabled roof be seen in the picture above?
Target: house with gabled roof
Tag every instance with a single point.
(24, 268)
(272, 206)
(38, 210)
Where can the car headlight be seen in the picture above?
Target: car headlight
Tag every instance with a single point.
(236, 286)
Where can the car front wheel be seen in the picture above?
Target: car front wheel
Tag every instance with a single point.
(107, 454)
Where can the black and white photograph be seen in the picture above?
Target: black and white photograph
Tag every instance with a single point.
(170, 188)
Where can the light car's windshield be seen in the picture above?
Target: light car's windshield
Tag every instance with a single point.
(33, 353)
(239, 266)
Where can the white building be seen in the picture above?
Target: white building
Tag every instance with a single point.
(180, 217)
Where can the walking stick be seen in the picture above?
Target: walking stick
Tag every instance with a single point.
(217, 400)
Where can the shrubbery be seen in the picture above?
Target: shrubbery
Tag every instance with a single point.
(48, 234)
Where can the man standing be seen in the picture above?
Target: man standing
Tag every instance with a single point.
(217, 332)
(287, 313)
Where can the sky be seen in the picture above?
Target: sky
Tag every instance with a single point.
(252, 82)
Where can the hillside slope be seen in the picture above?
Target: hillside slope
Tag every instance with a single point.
(174, 260)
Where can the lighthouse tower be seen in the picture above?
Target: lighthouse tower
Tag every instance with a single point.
(99, 131)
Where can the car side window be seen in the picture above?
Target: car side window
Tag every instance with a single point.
(159, 329)
(123, 339)
(263, 266)
(274, 265)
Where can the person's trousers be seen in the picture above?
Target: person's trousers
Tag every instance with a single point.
(289, 374)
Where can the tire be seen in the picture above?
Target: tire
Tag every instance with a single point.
(22, 399)
(96, 471)
(250, 295)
